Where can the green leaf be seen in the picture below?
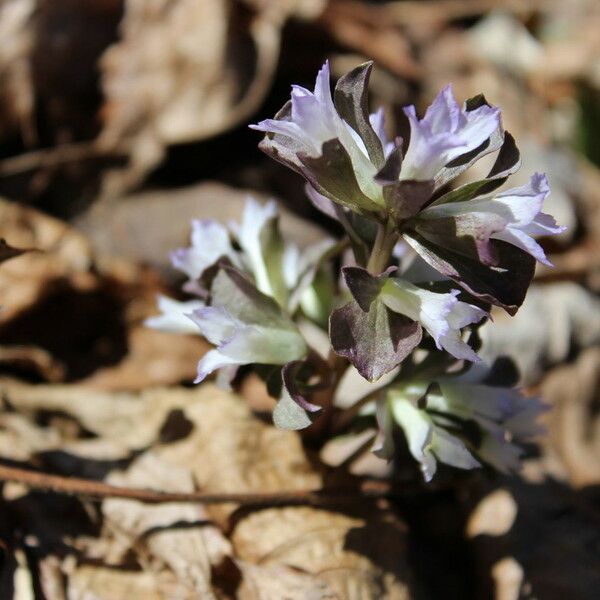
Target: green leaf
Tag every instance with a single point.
(332, 175)
(375, 342)
(288, 415)
(504, 285)
(351, 97)
(507, 163)
(238, 295)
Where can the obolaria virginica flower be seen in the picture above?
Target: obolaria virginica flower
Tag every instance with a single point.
(481, 241)
(458, 423)
(409, 329)
(248, 282)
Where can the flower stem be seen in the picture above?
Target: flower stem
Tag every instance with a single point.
(382, 248)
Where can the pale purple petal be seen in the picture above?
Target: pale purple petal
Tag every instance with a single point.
(443, 114)
(542, 225)
(210, 241)
(215, 324)
(442, 315)
(212, 361)
(520, 239)
(323, 92)
(446, 132)
(283, 127)
(263, 256)
(518, 208)
(377, 120)
(174, 316)
(480, 125)
(427, 152)
(320, 202)
(314, 120)
(503, 455)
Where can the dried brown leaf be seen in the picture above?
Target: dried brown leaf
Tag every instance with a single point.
(352, 557)
(186, 70)
(574, 424)
(177, 535)
(147, 226)
(88, 582)
(17, 98)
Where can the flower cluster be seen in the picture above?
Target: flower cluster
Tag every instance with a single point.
(257, 297)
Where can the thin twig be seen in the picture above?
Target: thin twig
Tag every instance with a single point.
(96, 489)
(51, 157)
(344, 419)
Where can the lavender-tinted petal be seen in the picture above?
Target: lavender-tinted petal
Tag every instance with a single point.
(215, 323)
(282, 127)
(212, 361)
(174, 316)
(479, 125)
(210, 242)
(442, 315)
(377, 120)
(444, 113)
(521, 240)
(320, 202)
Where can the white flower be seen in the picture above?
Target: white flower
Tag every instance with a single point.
(442, 315)
(241, 343)
(444, 133)
(175, 316)
(427, 442)
(513, 216)
(314, 119)
(210, 242)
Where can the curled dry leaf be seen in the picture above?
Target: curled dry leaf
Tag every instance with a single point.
(215, 444)
(238, 452)
(273, 582)
(17, 94)
(147, 363)
(70, 314)
(554, 318)
(63, 254)
(146, 226)
(177, 535)
(348, 558)
(574, 424)
(91, 582)
(186, 70)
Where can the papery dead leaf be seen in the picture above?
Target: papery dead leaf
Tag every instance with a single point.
(17, 93)
(553, 318)
(148, 225)
(184, 71)
(574, 425)
(178, 535)
(354, 558)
